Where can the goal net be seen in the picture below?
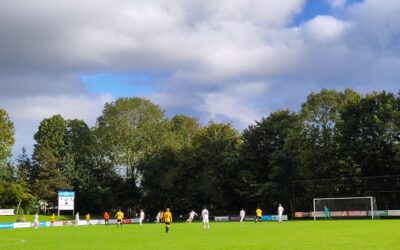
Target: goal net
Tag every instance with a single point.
(344, 207)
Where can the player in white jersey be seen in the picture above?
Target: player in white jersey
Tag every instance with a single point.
(158, 217)
(280, 213)
(36, 220)
(204, 215)
(242, 215)
(77, 219)
(141, 217)
(191, 216)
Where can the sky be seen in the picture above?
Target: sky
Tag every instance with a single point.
(227, 60)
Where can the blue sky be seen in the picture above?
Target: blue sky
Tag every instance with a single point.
(227, 60)
(312, 9)
(119, 85)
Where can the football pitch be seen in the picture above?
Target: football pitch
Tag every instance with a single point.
(344, 234)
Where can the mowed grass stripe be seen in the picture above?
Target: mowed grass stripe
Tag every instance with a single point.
(346, 234)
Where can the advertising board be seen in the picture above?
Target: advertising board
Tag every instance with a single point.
(221, 218)
(66, 200)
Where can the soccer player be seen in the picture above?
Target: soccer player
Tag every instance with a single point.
(206, 222)
(52, 219)
(280, 212)
(326, 212)
(167, 219)
(87, 219)
(161, 216)
(158, 217)
(191, 216)
(242, 215)
(258, 215)
(141, 217)
(77, 219)
(119, 217)
(36, 220)
(106, 217)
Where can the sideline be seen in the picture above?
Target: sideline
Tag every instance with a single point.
(15, 242)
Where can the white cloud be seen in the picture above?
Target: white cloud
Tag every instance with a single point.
(337, 3)
(325, 29)
(232, 60)
(27, 112)
(235, 103)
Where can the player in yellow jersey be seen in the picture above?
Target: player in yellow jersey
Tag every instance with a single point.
(162, 216)
(167, 220)
(52, 219)
(87, 219)
(258, 215)
(119, 216)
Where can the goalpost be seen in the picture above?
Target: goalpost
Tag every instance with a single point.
(344, 207)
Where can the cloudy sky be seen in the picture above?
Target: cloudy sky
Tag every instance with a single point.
(227, 60)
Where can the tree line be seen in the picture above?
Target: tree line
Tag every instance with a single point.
(135, 157)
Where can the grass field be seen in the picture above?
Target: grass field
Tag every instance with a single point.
(345, 234)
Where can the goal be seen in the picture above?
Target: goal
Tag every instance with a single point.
(344, 207)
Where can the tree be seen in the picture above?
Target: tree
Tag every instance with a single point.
(6, 137)
(24, 173)
(11, 194)
(370, 134)
(52, 133)
(126, 131)
(24, 168)
(319, 116)
(267, 165)
(164, 170)
(183, 129)
(215, 153)
(127, 128)
(48, 178)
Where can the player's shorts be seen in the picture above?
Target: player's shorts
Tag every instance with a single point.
(106, 220)
(258, 217)
(167, 223)
(205, 219)
(119, 221)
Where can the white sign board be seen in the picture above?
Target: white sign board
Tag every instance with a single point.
(221, 218)
(7, 211)
(66, 200)
(394, 212)
(22, 225)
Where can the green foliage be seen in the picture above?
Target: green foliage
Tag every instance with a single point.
(48, 178)
(266, 163)
(53, 132)
(11, 194)
(370, 134)
(198, 172)
(127, 129)
(24, 169)
(6, 137)
(320, 115)
(214, 160)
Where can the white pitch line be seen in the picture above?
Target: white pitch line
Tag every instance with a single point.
(18, 242)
